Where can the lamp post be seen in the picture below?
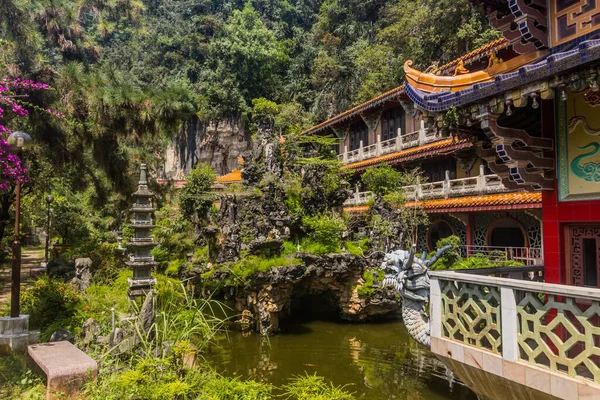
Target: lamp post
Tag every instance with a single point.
(18, 142)
(49, 200)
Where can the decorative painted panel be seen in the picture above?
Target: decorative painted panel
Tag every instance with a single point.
(570, 19)
(471, 314)
(578, 149)
(560, 333)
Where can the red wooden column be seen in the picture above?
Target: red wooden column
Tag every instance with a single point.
(470, 232)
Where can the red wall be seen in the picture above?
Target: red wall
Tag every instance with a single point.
(554, 215)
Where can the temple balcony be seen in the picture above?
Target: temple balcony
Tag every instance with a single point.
(400, 142)
(523, 255)
(541, 337)
(476, 185)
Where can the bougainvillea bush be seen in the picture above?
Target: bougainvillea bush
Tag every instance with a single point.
(12, 93)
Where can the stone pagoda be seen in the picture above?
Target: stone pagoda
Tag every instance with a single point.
(140, 260)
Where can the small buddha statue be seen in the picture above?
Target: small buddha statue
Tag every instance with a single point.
(460, 68)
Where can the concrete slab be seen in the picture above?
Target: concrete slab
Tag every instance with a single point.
(64, 366)
(15, 335)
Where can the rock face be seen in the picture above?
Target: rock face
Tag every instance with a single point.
(219, 145)
(333, 278)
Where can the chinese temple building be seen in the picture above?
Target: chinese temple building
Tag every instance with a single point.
(508, 138)
(141, 261)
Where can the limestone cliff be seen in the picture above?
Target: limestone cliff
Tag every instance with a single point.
(218, 144)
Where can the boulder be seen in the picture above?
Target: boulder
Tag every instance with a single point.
(83, 273)
(90, 331)
(62, 335)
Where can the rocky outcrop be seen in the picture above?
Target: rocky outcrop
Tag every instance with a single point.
(334, 278)
(217, 144)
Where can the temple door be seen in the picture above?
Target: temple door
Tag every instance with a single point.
(583, 255)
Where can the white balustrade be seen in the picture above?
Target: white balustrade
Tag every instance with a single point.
(383, 147)
(476, 185)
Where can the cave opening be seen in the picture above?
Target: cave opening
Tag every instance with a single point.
(307, 307)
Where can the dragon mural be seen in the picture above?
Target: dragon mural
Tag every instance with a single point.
(408, 275)
(589, 171)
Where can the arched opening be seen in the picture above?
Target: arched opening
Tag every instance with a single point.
(439, 229)
(507, 232)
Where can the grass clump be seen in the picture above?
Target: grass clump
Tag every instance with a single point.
(313, 387)
(326, 230)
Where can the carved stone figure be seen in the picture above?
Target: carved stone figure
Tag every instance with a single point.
(408, 275)
(460, 68)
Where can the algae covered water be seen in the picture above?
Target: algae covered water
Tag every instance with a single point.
(375, 360)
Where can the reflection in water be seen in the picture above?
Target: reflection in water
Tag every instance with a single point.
(376, 361)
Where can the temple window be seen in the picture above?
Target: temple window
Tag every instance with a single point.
(436, 171)
(391, 120)
(507, 232)
(358, 132)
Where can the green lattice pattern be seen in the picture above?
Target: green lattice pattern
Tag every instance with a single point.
(558, 333)
(471, 314)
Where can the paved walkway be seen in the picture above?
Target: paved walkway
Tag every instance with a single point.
(30, 258)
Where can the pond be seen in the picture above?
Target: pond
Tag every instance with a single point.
(375, 360)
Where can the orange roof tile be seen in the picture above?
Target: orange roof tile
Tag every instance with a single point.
(233, 176)
(509, 200)
(430, 82)
(503, 201)
(435, 148)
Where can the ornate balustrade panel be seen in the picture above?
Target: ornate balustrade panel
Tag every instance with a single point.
(388, 146)
(560, 332)
(471, 314)
(555, 326)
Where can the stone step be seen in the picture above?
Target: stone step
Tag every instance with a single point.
(64, 367)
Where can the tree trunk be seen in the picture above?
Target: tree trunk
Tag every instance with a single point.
(6, 200)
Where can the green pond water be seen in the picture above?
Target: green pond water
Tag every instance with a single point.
(375, 360)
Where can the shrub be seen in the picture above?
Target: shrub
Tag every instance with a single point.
(382, 180)
(194, 196)
(366, 289)
(325, 229)
(52, 304)
(451, 256)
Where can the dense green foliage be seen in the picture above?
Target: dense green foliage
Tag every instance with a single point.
(195, 199)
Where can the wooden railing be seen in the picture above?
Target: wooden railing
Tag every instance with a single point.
(545, 325)
(524, 255)
(400, 142)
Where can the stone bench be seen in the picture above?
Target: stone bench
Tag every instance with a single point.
(64, 366)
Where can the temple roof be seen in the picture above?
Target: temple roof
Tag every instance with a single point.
(233, 176)
(431, 149)
(502, 201)
(584, 53)
(392, 94)
(429, 82)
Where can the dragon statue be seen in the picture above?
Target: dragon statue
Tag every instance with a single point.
(408, 275)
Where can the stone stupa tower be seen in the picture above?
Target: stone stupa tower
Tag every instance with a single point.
(141, 261)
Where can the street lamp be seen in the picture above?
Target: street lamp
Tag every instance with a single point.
(49, 200)
(18, 142)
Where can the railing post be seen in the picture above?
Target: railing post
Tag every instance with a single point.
(356, 196)
(446, 184)
(435, 308)
(508, 305)
(361, 152)
(345, 156)
(419, 192)
(378, 146)
(481, 179)
(399, 140)
(422, 133)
